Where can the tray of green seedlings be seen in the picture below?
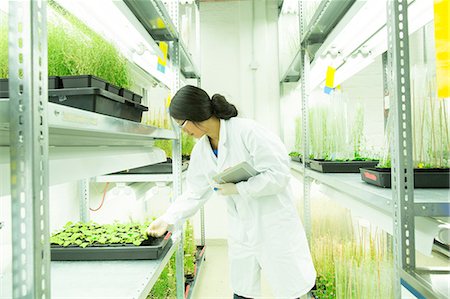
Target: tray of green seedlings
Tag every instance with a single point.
(92, 241)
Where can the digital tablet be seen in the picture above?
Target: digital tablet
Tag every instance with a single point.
(238, 173)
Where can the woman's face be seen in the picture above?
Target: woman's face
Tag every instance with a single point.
(191, 128)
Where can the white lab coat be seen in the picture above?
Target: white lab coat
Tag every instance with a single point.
(265, 232)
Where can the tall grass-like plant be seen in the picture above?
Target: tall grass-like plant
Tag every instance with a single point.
(348, 265)
(3, 45)
(74, 49)
(430, 123)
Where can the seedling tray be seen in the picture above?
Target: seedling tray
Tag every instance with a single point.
(82, 81)
(160, 168)
(423, 178)
(296, 159)
(97, 100)
(112, 88)
(54, 82)
(150, 249)
(126, 94)
(340, 167)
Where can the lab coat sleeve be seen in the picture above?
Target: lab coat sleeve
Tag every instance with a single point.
(270, 158)
(198, 191)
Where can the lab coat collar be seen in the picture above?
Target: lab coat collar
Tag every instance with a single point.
(223, 150)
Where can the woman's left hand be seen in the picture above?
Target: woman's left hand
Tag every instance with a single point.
(226, 189)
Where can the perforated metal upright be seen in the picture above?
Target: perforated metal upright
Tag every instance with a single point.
(173, 7)
(29, 148)
(401, 143)
(304, 77)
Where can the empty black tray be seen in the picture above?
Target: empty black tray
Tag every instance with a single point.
(97, 100)
(156, 248)
(340, 167)
(159, 168)
(423, 178)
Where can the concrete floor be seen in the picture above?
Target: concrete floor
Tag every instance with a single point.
(213, 281)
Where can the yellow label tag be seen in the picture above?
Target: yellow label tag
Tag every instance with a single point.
(329, 79)
(164, 48)
(442, 40)
(169, 99)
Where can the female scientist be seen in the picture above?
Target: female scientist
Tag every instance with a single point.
(265, 232)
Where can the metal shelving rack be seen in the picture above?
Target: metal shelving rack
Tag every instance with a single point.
(45, 140)
(402, 203)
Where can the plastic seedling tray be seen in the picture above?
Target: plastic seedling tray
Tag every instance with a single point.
(423, 178)
(97, 100)
(82, 81)
(340, 167)
(54, 82)
(112, 88)
(150, 249)
(126, 94)
(159, 168)
(296, 159)
(190, 280)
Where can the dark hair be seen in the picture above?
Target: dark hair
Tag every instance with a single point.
(193, 103)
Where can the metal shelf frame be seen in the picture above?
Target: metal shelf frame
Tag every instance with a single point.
(37, 132)
(402, 203)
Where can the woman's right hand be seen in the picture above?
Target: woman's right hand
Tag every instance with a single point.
(157, 228)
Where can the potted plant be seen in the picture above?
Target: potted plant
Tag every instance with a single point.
(431, 141)
(335, 146)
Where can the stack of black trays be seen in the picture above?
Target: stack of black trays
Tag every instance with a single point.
(90, 93)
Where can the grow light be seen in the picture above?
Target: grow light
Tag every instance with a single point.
(114, 21)
(362, 30)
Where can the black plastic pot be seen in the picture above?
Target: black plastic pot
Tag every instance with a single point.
(82, 81)
(423, 178)
(154, 249)
(137, 98)
(126, 94)
(340, 167)
(54, 82)
(112, 88)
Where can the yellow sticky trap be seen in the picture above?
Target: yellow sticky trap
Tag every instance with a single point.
(169, 99)
(442, 40)
(164, 48)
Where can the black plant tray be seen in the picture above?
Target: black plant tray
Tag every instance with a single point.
(151, 249)
(82, 81)
(159, 168)
(54, 82)
(423, 178)
(97, 100)
(340, 167)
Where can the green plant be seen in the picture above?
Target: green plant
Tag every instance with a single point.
(165, 286)
(88, 234)
(3, 45)
(190, 249)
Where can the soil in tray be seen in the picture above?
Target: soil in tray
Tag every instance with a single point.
(423, 177)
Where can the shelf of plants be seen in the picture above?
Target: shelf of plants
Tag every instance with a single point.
(107, 279)
(357, 37)
(134, 178)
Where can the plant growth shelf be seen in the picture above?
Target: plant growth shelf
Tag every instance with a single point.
(340, 167)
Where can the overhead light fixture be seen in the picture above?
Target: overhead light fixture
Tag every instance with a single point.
(114, 21)
(363, 28)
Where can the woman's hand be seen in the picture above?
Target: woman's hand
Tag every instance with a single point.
(226, 189)
(157, 228)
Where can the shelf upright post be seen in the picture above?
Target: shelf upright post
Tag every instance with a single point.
(29, 148)
(401, 143)
(304, 77)
(84, 200)
(202, 209)
(173, 6)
